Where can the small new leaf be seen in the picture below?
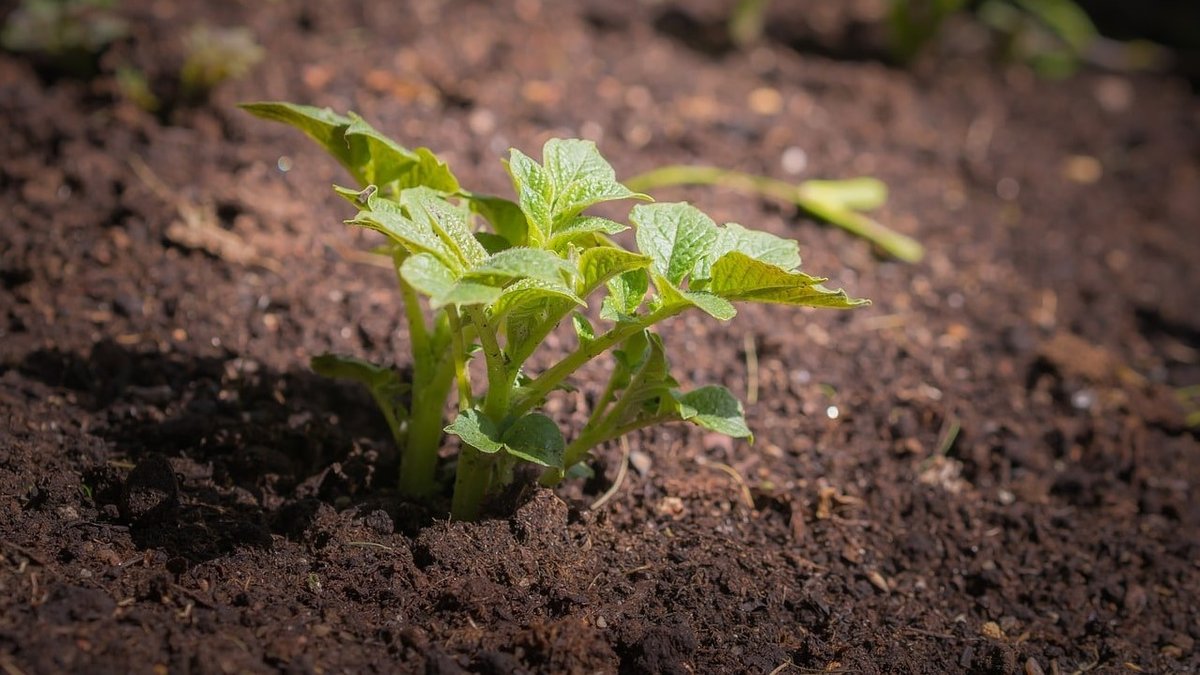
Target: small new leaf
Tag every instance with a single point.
(385, 216)
(476, 430)
(716, 409)
(574, 176)
(450, 222)
(505, 216)
(357, 370)
(580, 226)
(626, 291)
(601, 264)
(523, 263)
(536, 438)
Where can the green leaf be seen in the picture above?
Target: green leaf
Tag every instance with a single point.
(633, 351)
(1066, 19)
(351, 368)
(600, 264)
(583, 328)
(714, 305)
(469, 293)
(763, 246)
(428, 275)
(322, 125)
(574, 177)
(385, 216)
(385, 384)
(428, 171)
(716, 409)
(643, 377)
(505, 216)
(580, 470)
(536, 438)
(522, 263)
(451, 222)
(736, 276)
(583, 225)
(676, 236)
(581, 177)
(369, 156)
(535, 195)
(492, 243)
(626, 291)
(808, 296)
(476, 430)
(531, 309)
(382, 159)
(524, 296)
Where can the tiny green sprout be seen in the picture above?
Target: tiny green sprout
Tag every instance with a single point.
(488, 278)
(68, 34)
(215, 55)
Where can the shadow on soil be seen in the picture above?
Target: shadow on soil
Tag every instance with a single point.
(216, 453)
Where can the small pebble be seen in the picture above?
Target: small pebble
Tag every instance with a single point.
(765, 101)
(640, 462)
(794, 160)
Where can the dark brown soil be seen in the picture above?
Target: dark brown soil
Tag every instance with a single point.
(1008, 485)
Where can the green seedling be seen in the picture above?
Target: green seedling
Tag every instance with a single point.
(912, 24)
(1053, 37)
(746, 21)
(484, 277)
(68, 34)
(839, 203)
(215, 55)
(1189, 398)
(133, 85)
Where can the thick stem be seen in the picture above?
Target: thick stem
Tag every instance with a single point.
(471, 483)
(419, 444)
(418, 463)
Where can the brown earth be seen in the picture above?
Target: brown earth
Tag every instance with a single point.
(1008, 484)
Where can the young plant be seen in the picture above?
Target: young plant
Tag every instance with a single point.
(68, 35)
(497, 292)
(215, 55)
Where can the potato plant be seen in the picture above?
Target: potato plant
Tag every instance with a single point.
(490, 278)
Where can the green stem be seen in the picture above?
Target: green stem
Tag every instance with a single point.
(577, 449)
(602, 402)
(895, 244)
(542, 385)
(418, 464)
(418, 332)
(458, 353)
(471, 482)
(499, 383)
(431, 385)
